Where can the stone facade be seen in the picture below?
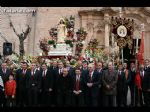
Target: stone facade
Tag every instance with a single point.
(95, 20)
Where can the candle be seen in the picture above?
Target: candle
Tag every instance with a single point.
(137, 45)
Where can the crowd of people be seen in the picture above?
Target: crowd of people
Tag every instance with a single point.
(60, 84)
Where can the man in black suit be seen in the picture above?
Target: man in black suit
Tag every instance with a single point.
(121, 86)
(127, 81)
(47, 82)
(92, 81)
(146, 83)
(78, 88)
(64, 88)
(4, 72)
(54, 69)
(109, 79)
(132, 74)
(99, 69)
(34, 84)
(22, 75)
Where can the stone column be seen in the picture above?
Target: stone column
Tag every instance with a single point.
(107, 29)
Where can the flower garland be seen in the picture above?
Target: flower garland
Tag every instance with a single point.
(81, 36)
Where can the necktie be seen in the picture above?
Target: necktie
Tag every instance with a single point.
(77, 83)
(44, 74)
(90, 74)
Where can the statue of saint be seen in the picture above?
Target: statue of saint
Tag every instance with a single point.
(61, 31)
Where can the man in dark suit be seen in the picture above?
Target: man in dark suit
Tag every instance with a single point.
(99, 69)
(4, 72)
(146, 83)
(109, 79)
(54, 69)
(132, 74)
(121, 86)
(34, 84)
(127, 81)
(92, 81)
(64, 88)
(78, 88)
(47, 82)
(22, 75)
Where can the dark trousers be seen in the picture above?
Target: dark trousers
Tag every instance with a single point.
(10, 102)
(33, 95)
(146, 98)
(138, 97)
(2, 98)
(120, 98)
(23, 97)
(46, 99)
(78, 100)
(100, 97)
(64, 99)
(125, 95)
(132, 90)
(109, 100)
(91, 98)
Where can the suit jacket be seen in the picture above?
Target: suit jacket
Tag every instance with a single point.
(47, 81)
(132, 77)
(21, 79)
(100, 74)
(64, 84)
(95, 80)
(121, 82)
(81, 83)
(34, 80)
(111, 80)
(145, 80)
(5, 76)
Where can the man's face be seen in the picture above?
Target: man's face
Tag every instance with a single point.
(79, 63)
(125, 65)
(44, 67)
(99, 65)
(60, 65)
(85, 65)
(120, 67)
(33, 66)
(24, 66)
(4, 65)
(67, 63)
(78, 72)
(146, 63)
(55, 63)
(132, 65)
(90, 68)
(110, 66)
(65, 71)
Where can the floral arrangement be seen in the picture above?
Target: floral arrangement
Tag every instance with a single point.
(52, 42)
(99, 54)
(93, 43)
(81, 36)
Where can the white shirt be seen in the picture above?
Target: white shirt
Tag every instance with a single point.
(44, 72)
